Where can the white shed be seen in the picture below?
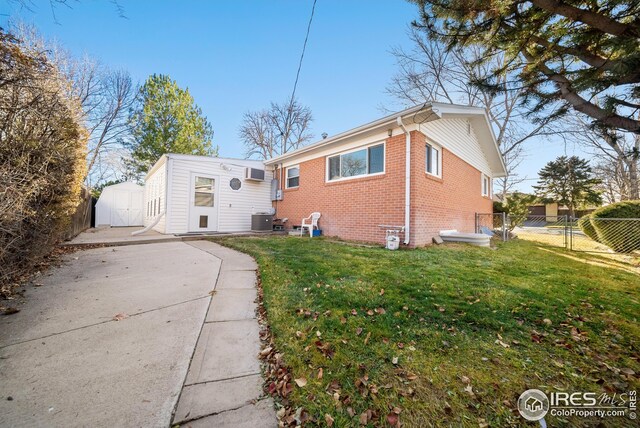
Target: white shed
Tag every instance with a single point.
(186, 193)
(120, 205)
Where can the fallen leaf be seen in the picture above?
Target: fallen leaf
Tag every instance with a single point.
(627, 371)
(328, 419)
(400, 345)
(393, 419)
(358, 331)
(366, 339)
(394, 361)
(370, 312)
(547, 321)
(212, 292)
(354, 312)
(381, 291)
(465, 379)
(120, 316)
(301, 382)
(364, 418)
(320, 373)
(381, 311)
(343, 320)
(501, 343)
(8, 310)
(469, 390)
(266, 351)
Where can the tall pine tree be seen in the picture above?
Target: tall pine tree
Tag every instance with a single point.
(167, 120)
(568, 181)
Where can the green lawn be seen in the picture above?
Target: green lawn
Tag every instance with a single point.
(471, 329)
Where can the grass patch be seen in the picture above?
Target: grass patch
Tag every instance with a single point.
(469, 328)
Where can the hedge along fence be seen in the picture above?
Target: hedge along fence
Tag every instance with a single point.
(586, 225)
(42, 159)
(617, 226)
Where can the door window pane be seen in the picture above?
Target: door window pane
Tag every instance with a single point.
(376, 159)
(204, 189)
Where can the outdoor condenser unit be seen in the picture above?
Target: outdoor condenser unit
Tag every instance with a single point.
(254, 174)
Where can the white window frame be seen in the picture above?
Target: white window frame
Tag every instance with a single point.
(357, 149)
(286, 177)
(482, 189)
(438, 149)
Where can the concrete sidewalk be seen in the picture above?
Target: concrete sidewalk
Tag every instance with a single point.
(65, 361)
(223, 387)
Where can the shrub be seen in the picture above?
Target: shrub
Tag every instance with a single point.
(587, 228)
(42, 159)
(620, 236)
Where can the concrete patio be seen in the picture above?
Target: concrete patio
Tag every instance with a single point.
(68, 361)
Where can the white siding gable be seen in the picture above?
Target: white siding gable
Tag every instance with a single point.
(453, 134)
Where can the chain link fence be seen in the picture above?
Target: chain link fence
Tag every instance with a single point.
(597, 235)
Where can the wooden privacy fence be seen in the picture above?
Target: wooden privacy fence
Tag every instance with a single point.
(81, 219)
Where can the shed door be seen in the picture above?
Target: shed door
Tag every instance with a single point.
(203, 210)
(120, 208)
(127, 208)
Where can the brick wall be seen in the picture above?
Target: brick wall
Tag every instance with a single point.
(354, 208)
(447, 203)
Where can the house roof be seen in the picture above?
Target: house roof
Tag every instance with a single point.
(196, 158)
(416, 115)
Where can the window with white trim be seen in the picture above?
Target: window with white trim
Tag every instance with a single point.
(486, 185)
(365, 161)
(433, 160)
(293, 176)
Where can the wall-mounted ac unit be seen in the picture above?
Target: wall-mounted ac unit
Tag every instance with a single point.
(254, 174)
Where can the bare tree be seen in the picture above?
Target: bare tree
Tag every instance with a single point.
(106, 97)
(618, 154)
(281, 129)
(431, 72)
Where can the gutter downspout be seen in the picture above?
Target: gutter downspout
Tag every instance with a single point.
(407, 182)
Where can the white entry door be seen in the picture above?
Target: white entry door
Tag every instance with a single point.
(203, 211)
(127, 208)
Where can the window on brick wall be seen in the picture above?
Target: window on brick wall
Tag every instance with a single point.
(433, 160)
(486, 185)
(355, 163)
(293, 177)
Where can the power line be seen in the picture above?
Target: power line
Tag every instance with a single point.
(304, 48)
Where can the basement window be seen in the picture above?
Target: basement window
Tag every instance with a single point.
(356, 163)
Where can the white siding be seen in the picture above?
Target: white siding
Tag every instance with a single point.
(234, 207)
(453, 135)
(154, 197)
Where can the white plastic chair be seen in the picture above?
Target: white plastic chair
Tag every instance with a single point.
(309, 223)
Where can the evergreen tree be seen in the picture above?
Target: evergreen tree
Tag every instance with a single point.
(568, 181)
(579, 54)
(167, 120)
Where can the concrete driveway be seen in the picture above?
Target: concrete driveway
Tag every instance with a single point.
(66, 360)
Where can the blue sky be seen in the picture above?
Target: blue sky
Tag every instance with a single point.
(236, 56)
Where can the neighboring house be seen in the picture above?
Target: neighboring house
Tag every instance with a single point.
(552, 211)
(360, 180)
(185, 193)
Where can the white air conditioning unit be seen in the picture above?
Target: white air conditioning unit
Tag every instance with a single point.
(254, 174)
